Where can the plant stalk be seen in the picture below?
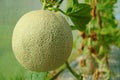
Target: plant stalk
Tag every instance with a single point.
(54, 77)
(79, 77)
(44, 5)
(59, 3)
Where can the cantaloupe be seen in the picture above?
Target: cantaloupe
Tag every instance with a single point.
(42, 40)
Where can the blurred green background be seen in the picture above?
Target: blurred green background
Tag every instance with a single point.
(10, 12)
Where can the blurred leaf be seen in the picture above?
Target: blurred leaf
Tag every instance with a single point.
(73, 27)
(80, 15)
(39, 76)
(109, 22)
(105, 5)
(30, 75)
(103, 50)
(106, 30)
(87, 1)
(74, 44)
(117, 38)
(111, 36)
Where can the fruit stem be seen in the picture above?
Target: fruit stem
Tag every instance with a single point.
(44, 5)
(59, 3)
(57, 9)
(61, 11)
(79, 77)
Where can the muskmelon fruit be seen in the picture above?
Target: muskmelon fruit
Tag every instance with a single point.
(42, 40)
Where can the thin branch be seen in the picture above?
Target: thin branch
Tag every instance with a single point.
(93, 12)
(99, 19)
(59, 3)
(99, 16)
(54, 77)
(57, 9)
(61, 11)
(79, 77)
(70, 69)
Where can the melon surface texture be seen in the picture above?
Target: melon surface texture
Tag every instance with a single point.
(42, 40)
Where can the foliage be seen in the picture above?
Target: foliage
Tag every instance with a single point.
(98, 29)
(36, 75)
(29, 76)
(78, 13)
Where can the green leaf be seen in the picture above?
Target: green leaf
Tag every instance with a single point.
(108, 30)
(87, 1)
(30, 75)
(117, 39)
(73, 27)
(105, 5)
(39, 76)
(109, 22)
(80, 15)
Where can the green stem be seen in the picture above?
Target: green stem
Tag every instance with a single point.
(59, 3)
(57, 9)
(79, 77)
(44, 5)
(61, 11)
